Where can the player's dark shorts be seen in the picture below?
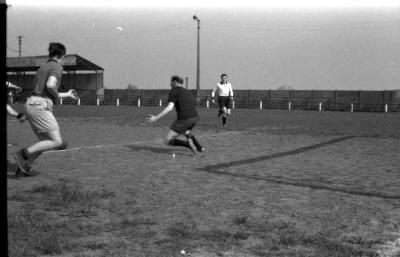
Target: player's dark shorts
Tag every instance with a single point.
(224, 101)
(181, 126)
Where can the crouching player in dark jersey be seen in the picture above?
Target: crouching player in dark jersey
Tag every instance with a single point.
(187, 116)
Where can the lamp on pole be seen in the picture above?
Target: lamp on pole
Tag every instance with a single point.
(198, 59)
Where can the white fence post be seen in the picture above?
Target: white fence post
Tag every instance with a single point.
(386, 108)
(98, 101)
(260, 105)
(233, 104)
(117, 101)
(79, 101)
(208, 104)
(320, 107)
(351, 107)
(160, 102)
(61, 101)
(290, 106)
(138, 102)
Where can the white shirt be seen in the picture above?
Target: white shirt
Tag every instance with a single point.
(223, 90)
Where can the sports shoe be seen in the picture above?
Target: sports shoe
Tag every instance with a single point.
(202, 149)
(27, 173)
(21, 162)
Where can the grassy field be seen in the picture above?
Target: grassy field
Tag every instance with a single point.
(272, 183)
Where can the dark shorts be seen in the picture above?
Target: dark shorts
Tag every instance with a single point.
(224, 101)
(181, 126)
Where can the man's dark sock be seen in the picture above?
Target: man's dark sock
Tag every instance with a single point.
(196, 143)
(24, 153)
(63, 146)
(223, 121)
(179, 142)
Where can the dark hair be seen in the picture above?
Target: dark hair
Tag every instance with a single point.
(56, 49)
(177, 79)
(223, 74)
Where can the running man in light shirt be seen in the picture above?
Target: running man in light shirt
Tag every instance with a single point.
(39, 110)
(225, 98)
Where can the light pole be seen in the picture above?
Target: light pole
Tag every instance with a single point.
(19, 45)
(198, 59)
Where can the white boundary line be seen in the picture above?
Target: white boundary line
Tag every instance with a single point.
(103, 146)
(76, 118)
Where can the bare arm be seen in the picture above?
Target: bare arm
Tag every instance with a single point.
(164, 112)
(12, 112)
(53, 90)
(12, 86)
(213, 92)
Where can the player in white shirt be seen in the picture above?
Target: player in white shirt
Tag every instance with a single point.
(225, 97)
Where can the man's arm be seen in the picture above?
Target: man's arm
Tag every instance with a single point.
(164, 112)
(12, 86)
(231, 91)
(213, 94)
(53, 90)
(12, 112)
(51, 85)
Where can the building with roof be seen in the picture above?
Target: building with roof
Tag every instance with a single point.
(79, 73)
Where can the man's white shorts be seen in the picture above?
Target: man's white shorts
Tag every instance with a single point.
(39, 112)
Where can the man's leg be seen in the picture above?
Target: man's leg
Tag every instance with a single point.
(220, 112)
(196, 143)
(47, 141)
(224, 115)
(171, 139)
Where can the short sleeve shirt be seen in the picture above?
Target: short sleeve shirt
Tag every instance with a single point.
(224, 89)
(182, 99)
(50, 68)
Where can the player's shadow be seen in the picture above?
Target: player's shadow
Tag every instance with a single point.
(11, 170)
(160, 150)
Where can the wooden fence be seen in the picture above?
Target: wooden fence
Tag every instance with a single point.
(328, 100)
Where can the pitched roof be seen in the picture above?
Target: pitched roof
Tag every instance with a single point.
(71, 62)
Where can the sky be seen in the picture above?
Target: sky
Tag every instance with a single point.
(303, 45)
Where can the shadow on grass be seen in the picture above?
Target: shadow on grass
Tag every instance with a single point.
(12, 174)
(217, 169)
(161, 150)
(11, 170)
(277, 155)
